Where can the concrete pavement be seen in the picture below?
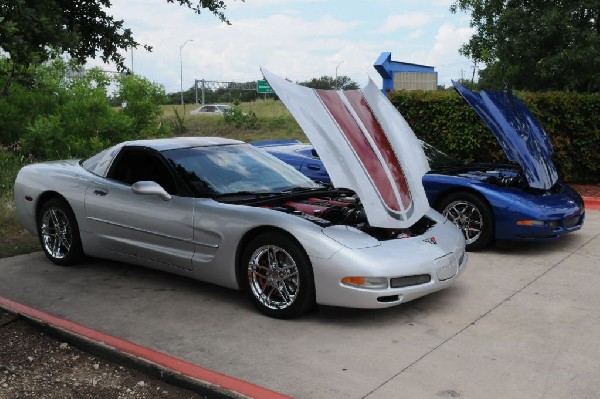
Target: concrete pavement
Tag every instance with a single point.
(522, 322)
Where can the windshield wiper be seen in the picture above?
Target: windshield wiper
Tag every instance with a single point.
(255, 194)
(302, 189)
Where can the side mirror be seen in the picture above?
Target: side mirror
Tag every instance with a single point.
(150, 188)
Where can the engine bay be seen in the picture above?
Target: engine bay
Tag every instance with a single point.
(326, 206)
(347, 210)
(504, 176)
(499, 177)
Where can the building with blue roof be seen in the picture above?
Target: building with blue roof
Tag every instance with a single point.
(404, 75)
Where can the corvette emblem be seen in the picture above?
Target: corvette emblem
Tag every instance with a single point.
(430, 240)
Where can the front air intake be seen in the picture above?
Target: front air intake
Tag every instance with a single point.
(407, 281)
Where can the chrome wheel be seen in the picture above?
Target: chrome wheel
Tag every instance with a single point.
(56, 233)
(467, 217)
(274, 277)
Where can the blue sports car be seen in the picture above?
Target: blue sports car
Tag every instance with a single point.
(520, 200)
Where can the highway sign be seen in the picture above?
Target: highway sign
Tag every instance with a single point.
(262, 86)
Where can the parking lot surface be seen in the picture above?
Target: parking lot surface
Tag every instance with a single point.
(521, 322)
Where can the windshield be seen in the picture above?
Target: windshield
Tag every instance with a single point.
(229, 169)
(438, 159)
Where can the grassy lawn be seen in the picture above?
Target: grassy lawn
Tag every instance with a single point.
(14, 240)
(274, 122)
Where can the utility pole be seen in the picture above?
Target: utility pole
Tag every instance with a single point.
(181, 67)
(336, 75)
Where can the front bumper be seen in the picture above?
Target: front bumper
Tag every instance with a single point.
(391, 260)
(553, 228)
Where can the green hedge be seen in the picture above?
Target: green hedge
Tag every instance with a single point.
(572, 120)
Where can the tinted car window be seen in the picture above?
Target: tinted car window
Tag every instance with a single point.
(233, 168)
(99, 163)
(437, 159)
(133, 165)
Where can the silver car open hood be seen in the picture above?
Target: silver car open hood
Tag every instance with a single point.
(521, 136)
(366, 146)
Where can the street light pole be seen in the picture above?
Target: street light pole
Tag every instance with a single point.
(336, 75)
(181, 68)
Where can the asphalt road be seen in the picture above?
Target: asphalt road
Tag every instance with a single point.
(522, 322)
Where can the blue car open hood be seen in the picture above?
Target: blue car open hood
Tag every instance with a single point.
(519, 133)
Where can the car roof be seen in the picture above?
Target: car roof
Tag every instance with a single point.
(99, 163)
(181, 142)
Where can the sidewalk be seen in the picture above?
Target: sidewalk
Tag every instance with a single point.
(517, 324)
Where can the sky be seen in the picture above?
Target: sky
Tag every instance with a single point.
(296, 39)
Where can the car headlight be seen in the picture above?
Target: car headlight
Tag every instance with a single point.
(374, 283)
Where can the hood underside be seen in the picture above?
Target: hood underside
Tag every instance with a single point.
(366, 146)
(520, 135)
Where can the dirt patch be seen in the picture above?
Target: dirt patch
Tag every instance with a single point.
(35, 365)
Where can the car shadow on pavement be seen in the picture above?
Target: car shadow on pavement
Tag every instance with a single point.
(534, 248)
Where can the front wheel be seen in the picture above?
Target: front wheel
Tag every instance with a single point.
(278, 276)
(59, 233)
(472, 215)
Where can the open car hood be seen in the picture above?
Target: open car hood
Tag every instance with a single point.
(519, 133)
(366, 146)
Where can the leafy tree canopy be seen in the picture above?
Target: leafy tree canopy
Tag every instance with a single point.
(32, 32)
(535, 44)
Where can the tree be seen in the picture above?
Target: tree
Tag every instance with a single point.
(32, 32)
(142, 100)
(65, 111)
(331, 83)
(535, 44)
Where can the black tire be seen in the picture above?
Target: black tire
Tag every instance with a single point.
(58, 232)
(277, 275)
(473, 217)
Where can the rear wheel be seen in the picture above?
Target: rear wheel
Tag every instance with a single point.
(59, 233)
(473, 217)
(278, 276)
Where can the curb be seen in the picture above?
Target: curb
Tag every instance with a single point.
(165, 367)
(591, 203)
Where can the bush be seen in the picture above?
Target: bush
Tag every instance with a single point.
(58, 115)
(571, 120)
(234, 116)
(25, 101)
(44, 139)
(142, 99)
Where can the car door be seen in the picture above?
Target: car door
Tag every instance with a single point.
(143, 226)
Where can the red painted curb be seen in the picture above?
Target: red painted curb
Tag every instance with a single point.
(172, 363)
(591, 203)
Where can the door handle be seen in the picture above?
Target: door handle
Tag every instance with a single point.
(101, 192)
(313, 166)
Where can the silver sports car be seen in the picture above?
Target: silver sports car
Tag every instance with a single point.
(225, 212)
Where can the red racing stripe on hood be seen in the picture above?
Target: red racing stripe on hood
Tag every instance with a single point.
(364, 112)
(363, 149)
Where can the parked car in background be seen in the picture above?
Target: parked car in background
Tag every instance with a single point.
(521, 200)
(225, 212)
(213, 109)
